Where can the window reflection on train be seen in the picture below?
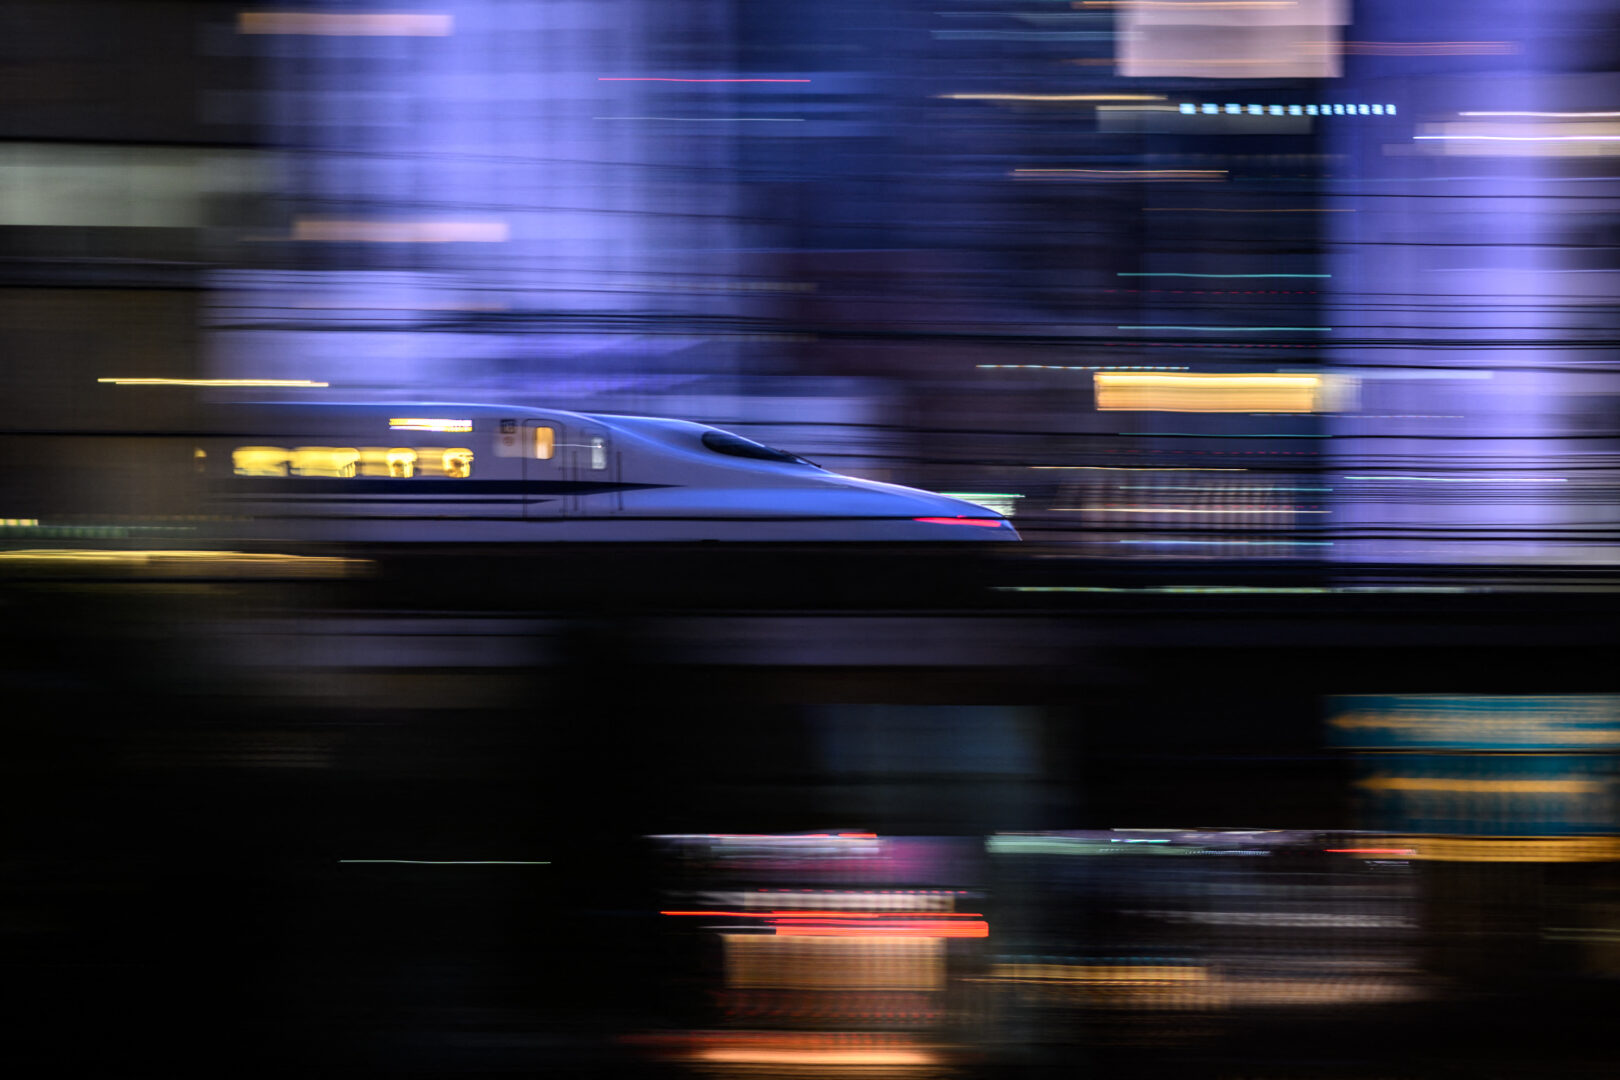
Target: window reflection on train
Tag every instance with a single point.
(398, 462)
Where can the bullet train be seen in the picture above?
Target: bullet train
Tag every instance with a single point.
(495, 473)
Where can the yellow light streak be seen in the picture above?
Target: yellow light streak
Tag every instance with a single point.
(186, 561)
(1217, 393)
(418, 423)
(1510, 849)
(1484, 787)
(214, 382)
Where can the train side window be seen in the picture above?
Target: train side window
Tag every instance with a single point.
(598, 452)
(259, 461)
(401, 462)
(340, 461)
(545, 443)
(458, 462)
(398, 462)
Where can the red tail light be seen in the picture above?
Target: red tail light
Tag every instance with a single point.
(984, 523)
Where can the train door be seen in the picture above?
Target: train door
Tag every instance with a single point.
(540, 444)
(592, 470)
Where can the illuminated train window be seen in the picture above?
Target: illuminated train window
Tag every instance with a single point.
(341, 461)
(259, 461)
(398, 462)
(458, 462)
(545, 442)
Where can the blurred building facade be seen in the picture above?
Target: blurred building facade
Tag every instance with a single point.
(906, 238)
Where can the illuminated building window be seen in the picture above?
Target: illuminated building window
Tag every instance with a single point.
(340, 461)
(1210, 392)
(545, 443)
(259, 461)
(458, 462)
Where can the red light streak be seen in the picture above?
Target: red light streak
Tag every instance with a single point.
(983, 523)
(833, 914)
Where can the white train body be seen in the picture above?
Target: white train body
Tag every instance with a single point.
(460, 473)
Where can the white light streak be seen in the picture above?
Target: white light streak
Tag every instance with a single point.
(1565, 114)
(1471, 479)
(214, 382)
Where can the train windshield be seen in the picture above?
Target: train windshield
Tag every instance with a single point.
(724, 442)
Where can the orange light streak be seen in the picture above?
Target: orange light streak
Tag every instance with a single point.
(957, 930)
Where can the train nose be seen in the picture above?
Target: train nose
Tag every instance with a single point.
(929, 509)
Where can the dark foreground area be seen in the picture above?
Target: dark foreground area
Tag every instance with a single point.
(419, 814)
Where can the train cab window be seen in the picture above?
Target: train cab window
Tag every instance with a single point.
(724, 442)
(259, 461)
(545, 443)
(598, 452)
(341, 461)
(458, 462)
